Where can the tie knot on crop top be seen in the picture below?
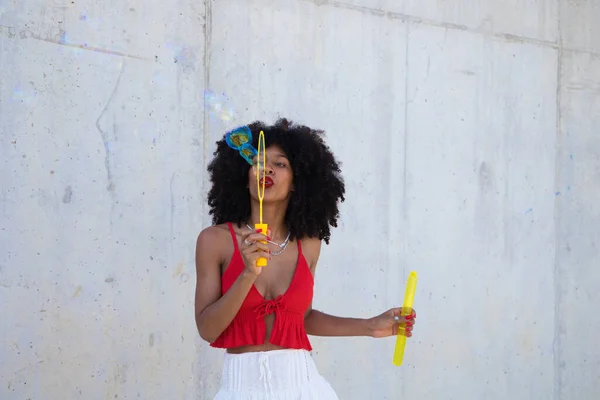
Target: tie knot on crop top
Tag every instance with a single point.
(248, 326)
(270, 307)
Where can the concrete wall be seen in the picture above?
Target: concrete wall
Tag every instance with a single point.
(479, 123)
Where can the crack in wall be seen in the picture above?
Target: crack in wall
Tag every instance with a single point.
(508, 37)
(104, 134)
(59, 39)
(556, 342)
(207, 56)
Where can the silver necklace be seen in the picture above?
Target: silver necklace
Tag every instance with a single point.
(282, 245)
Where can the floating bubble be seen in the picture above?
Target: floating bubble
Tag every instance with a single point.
(248, 152)
(217, 106)
(239, 137)
(24, 94)
(186, 58)
(182, 54)
(161, 78)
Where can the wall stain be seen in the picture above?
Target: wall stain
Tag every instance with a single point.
(486, 177)
(178, 270)
(77, 291)
(68, 195)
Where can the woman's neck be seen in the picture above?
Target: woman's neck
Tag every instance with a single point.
(274, 217)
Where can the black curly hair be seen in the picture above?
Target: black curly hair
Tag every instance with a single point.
(318, 184)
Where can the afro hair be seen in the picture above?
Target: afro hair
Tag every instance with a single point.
(319, 187)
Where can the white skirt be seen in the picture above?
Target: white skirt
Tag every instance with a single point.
(273, 375)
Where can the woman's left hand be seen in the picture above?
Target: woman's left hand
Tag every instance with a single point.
(387, 324)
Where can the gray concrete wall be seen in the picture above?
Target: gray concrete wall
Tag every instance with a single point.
(479, 124)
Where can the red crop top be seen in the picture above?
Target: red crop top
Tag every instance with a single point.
(249, 327)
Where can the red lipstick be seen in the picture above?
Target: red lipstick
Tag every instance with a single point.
(268, 181)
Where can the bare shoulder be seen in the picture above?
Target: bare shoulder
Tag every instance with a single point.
(311, 247)
(212, 235)
(212, 241)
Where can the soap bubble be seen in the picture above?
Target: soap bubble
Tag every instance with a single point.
(239, 137)
(217, 106)
(25, 94)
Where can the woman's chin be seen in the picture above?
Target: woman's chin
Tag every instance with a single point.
(274, 197)
(271, 196)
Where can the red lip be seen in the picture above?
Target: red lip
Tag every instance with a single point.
(268, 182)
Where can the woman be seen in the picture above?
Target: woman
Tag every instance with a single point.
(262, 316)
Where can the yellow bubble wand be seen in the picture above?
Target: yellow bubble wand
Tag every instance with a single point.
(262, 261)
(409, 297)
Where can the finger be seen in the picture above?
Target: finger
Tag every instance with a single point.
(398, 311)
(262, 238)
(262, 247)
(251, 240)
(407, 329)
(397, 315)
(256, 247)
(245, 234)
(257, 237)
(253, 234)
(411, 319)
(254, 259)
(411, 315)
(398, 319)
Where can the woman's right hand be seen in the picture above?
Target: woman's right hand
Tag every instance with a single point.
(252, 249)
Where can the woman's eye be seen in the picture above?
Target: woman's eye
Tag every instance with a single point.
(281, 165)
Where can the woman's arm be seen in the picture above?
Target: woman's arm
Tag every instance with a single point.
(214, 312)
(318, 323)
